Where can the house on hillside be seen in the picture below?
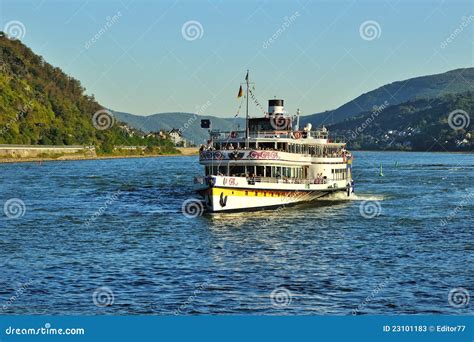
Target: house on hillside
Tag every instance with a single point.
(177, 137)
(159, 135)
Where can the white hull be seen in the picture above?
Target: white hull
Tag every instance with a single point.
(243, 196)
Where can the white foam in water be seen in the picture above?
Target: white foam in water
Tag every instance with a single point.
(342, 196)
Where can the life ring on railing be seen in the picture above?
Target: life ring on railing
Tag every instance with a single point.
(233, 135)
(297, 135)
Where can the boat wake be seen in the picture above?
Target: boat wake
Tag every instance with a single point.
(342, 196)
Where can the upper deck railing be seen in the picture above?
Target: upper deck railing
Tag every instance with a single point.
(294, 135)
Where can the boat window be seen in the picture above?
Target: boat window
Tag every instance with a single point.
(237, 170)
(260, 170)
(250, 171)
(266, 145)
(278, 172)
(268, 171)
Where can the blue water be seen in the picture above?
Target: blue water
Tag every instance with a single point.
(148, 258)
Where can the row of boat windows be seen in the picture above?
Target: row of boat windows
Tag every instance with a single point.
(267, 171)
(339, 174)
(255, 171)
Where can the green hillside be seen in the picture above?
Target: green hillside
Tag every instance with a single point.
(418, 125)
(451, 82)
(41, 105)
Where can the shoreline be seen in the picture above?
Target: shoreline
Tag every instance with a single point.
(184, 152)
(80, 158)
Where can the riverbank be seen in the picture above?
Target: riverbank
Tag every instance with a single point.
(183, 151)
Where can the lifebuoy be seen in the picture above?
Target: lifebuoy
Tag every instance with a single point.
(297, 135)
(233, 135)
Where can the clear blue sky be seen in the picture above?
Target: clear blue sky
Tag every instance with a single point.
(142, 64)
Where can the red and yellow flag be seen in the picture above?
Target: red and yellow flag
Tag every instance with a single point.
(241, 93)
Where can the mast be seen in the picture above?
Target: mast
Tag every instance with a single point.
(247, 114)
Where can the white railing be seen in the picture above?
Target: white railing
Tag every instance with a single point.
(238, 135)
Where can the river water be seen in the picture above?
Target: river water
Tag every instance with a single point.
(109, 237)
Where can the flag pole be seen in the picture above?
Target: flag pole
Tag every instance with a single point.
(247, 114)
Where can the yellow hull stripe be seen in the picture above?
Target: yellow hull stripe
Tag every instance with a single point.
(257, 193)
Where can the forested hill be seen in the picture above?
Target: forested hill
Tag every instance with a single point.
(40, 104)
(430, 86)
(432, 124)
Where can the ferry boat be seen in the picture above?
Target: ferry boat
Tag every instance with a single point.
(272, 163)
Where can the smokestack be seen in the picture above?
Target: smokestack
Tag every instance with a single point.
(275, 107)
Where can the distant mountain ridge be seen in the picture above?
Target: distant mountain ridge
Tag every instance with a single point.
(429, 124)
(430, 86)
(188, 123)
